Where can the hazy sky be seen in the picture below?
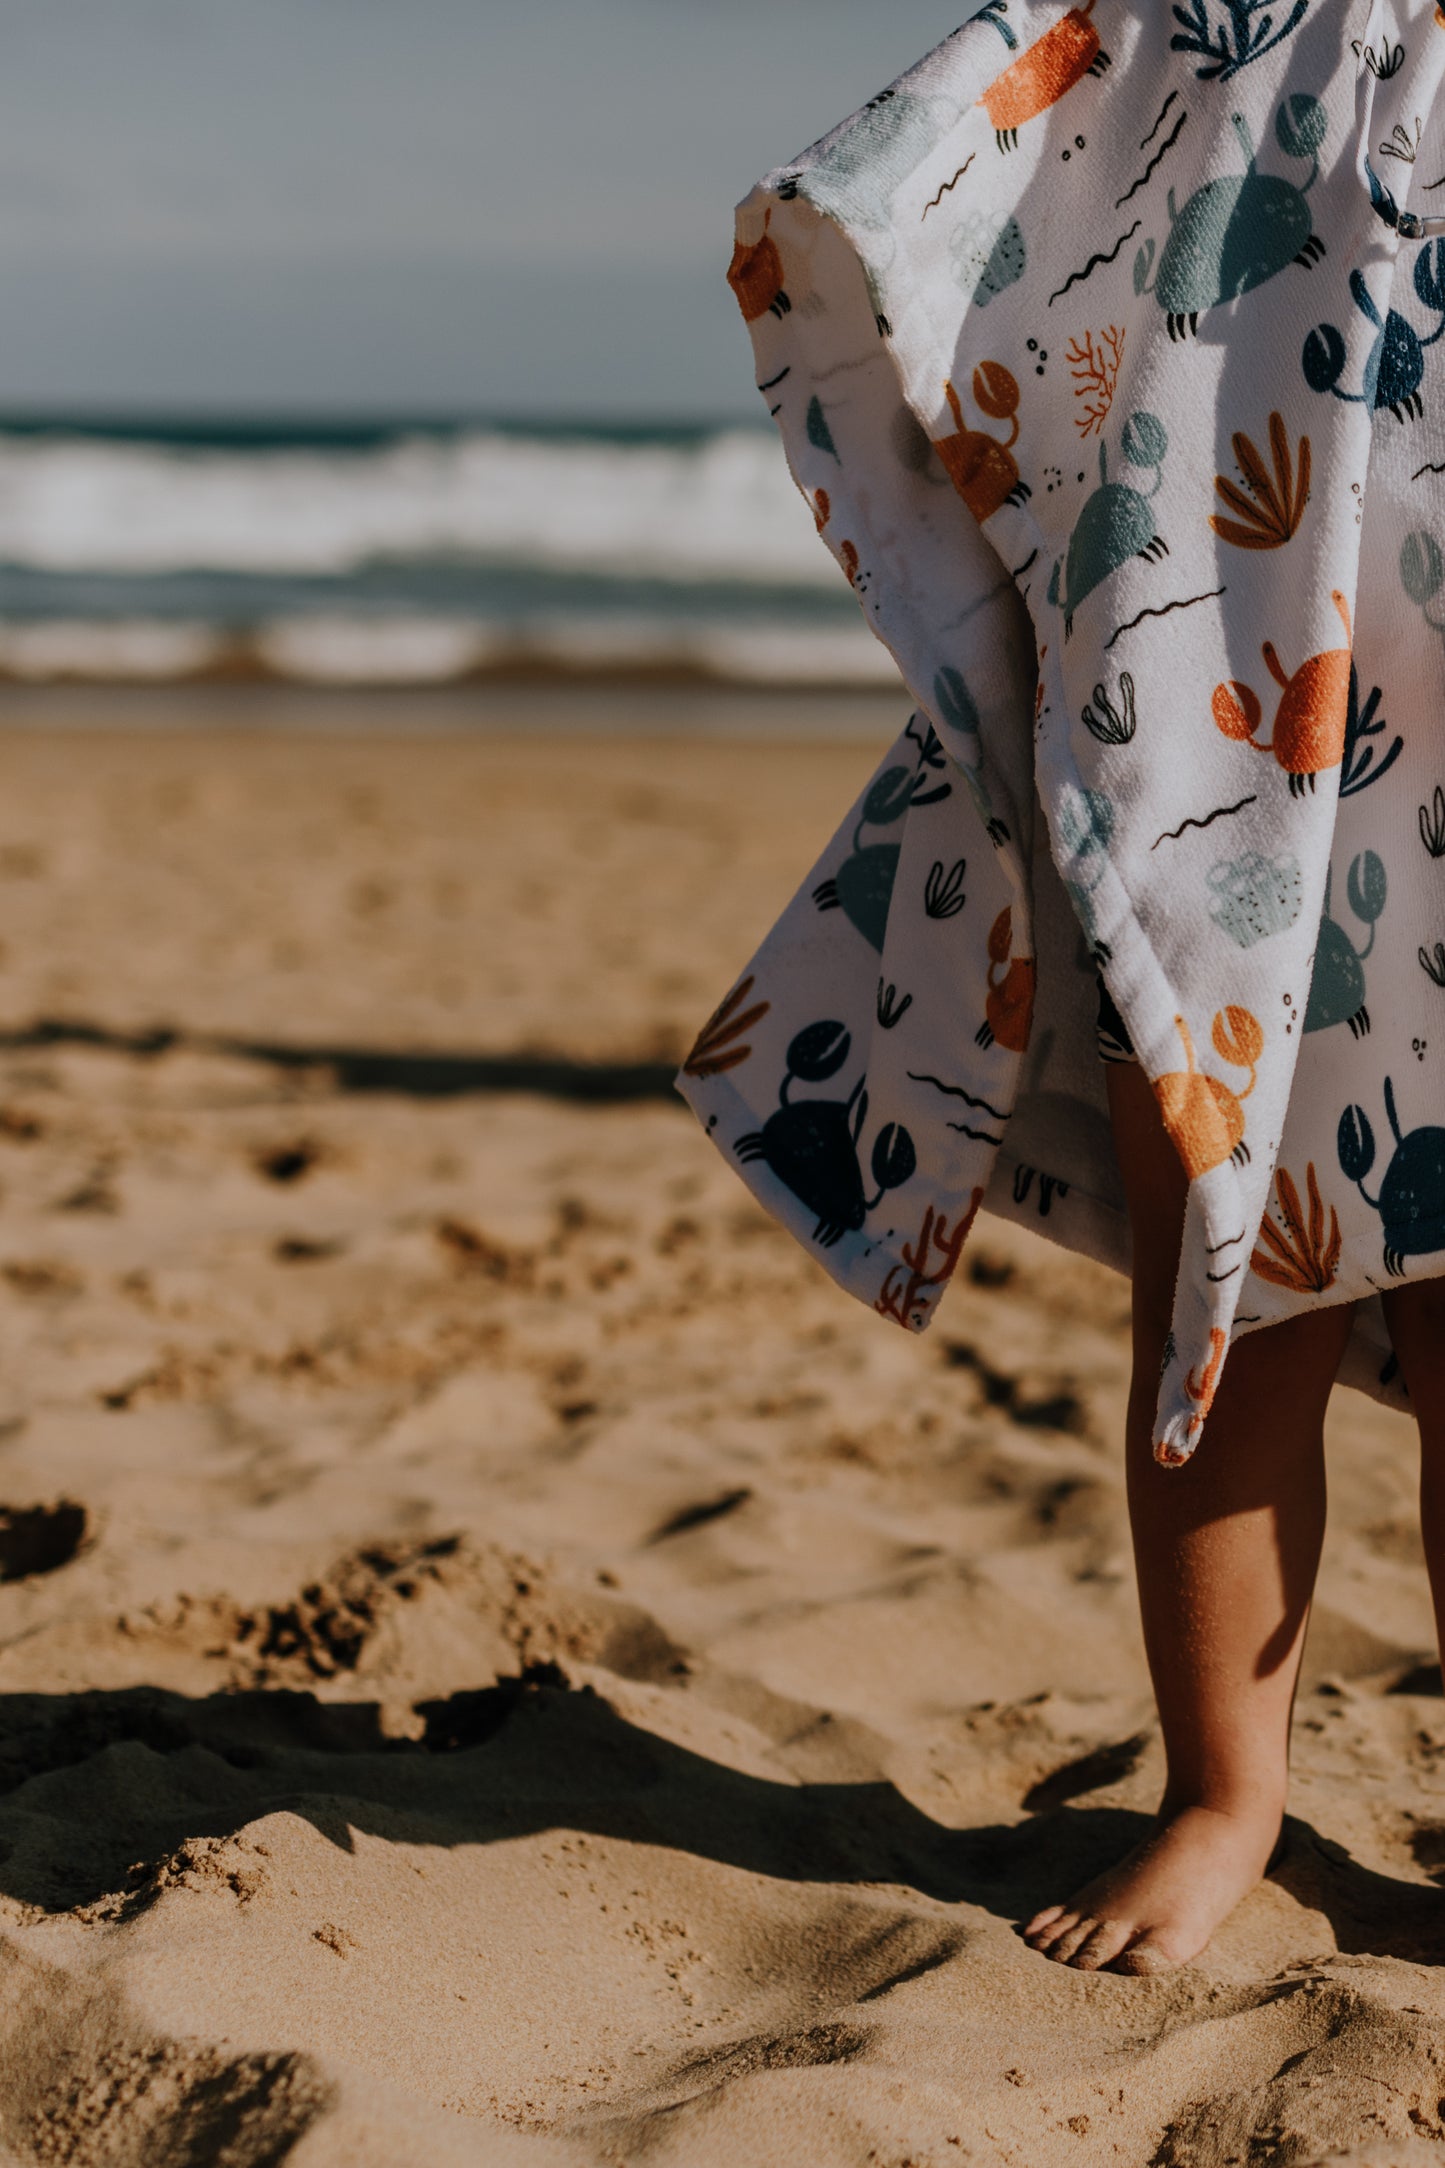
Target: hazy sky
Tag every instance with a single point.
(518, 204)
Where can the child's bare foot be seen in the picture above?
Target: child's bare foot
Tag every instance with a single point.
(1160, 1905)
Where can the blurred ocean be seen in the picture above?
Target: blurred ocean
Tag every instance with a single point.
(414, 554)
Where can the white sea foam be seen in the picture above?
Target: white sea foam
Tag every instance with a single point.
(715, 508)
(342, 651)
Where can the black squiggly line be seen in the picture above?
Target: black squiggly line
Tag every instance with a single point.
(1217, 1277)
(1433, 467)
(933, 206)
(1165, 147)
(1160, 122)
(1172, 835)
(773, 380)
(980, 1136)
(956, 1091)
(1253, 1317)
(1095, 261)
(1185, 602)
(1212, 1249)
(1019, 570)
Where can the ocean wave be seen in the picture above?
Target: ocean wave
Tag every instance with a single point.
(399, 651)
(715, 507)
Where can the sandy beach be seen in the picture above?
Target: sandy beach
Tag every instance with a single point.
(500, 1661)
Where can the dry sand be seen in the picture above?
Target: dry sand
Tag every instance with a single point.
(523, 1670)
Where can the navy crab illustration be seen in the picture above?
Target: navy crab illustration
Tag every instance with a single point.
(1411, 1203)
(1116, 522)
(862, 888)
(1337, 989)
(1395, 366)
(1240, 229)
(811, 1145)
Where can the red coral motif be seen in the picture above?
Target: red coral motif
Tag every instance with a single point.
(901, 1291)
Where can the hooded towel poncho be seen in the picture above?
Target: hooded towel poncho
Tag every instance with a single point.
(1107, 348)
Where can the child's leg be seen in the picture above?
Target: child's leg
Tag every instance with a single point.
(1225, 1550)
(1416, 1318)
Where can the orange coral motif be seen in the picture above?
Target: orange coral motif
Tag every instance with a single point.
(1042, 75)
(901, 1290)
(1309, 724)
(1270, 514)
(982, 468)
(714, 1051)
(1095, 370)
(822, 508)
(1009, 1006)
(1300, 1258)
(849, 554)
(1203, 1116)
(756, 277)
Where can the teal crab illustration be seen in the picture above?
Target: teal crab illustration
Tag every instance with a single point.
(1337, 989)
(862, 888)
(1411, 1201)
(1395, 366)
(1238, 230)
(1116, 522)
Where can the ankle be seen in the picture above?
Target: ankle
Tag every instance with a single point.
(1257, 1807)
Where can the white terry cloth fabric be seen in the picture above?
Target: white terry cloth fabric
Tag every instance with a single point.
(1107, 348)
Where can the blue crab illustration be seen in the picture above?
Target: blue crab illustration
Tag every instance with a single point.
(1240, 229)
(862, 888)
(1337, 989)
(1411, 1203)
(1116, 522)
(811, 1145)
(1395, 366)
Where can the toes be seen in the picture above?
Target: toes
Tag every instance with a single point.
(1047, 1936)
(1102, 1946)
(1043, 1919)
(1062, 1951)
(1147, 1956)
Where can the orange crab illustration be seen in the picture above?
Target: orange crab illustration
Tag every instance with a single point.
(1309, 723)
(1203, 1116)
(756, 277)
(982, 468)
(1043, 74)
(1009, 1007)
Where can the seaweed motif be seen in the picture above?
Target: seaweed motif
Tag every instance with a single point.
(1112, 725)
(943, 895)
(1246, 30)
(1432, 823)
(714, 1051)
(1360, 769)
(1298, 1255)
(1095, 370)
(1269, 516)
(931, 1262)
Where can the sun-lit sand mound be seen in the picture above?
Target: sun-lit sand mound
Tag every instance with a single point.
(500, 1662)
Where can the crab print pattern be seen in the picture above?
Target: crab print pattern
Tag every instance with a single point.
(1099, 640)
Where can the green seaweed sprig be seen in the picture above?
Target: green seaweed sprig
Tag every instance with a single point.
(1247, 30)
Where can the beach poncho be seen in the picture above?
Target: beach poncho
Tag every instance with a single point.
(1107, 348)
